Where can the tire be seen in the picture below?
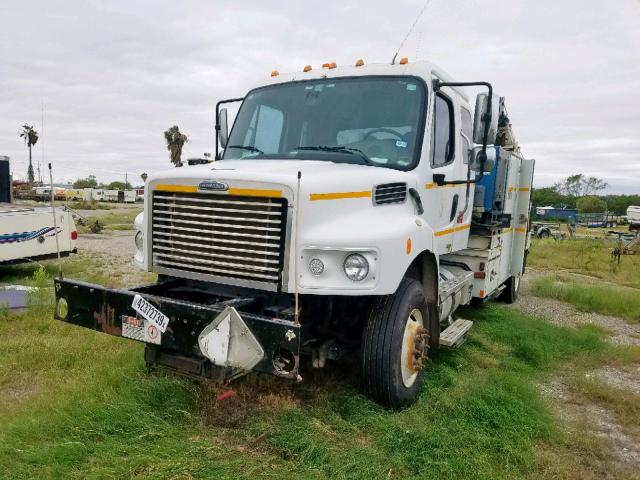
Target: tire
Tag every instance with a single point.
(397, 327)
(544, 234)
(510, 293)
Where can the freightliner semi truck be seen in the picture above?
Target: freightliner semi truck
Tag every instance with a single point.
(350, 211)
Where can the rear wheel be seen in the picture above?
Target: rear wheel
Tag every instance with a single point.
(510, 293)
(394, 346)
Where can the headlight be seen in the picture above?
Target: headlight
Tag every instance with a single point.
(356, 267)
(316, 266)
(138, 239)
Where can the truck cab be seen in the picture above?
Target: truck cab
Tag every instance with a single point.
(341, 218)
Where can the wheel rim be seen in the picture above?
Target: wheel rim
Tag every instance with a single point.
(413, 335)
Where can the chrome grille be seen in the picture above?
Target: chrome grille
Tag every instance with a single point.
(220, 235)
(390, 193)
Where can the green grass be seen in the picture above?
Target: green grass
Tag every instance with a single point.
(77, 404)
(91, 205)
(82, 266)
(618, 301)
(589, 257)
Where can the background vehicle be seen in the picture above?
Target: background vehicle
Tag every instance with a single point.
(349, 214)
(633, 217)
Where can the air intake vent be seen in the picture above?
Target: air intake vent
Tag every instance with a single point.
(390, 193)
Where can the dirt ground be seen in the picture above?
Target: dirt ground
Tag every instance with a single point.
(576, 411)
(116, 249)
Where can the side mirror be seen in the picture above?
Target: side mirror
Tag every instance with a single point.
(476, 159)
(223, 127)
(480, 117)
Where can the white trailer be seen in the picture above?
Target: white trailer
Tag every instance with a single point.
(28, 233)
(633, 217)
(350, 212)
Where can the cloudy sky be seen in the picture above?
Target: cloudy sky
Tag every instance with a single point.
(113, 75)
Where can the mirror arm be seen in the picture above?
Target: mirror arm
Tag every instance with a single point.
(437, 85)
(217, 126)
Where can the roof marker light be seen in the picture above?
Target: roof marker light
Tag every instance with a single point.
(404, 61)
(275, 73)
(359, 62)
(306, 68)
(333, 65)
(326, 65)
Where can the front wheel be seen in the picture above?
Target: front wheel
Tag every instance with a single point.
(394, 346)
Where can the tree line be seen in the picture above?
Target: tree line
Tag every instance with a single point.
(584, 193)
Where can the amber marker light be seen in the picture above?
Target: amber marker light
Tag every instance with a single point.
(359, 62)
(306, 68)
(275, 73)
(404, 61)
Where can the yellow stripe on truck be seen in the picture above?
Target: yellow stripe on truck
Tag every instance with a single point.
(339, 195)
(255, 192)
(176, 188)
(451, 230)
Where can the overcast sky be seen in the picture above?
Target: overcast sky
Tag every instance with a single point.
(113, 75)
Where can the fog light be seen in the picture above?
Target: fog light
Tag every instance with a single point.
(316, 267)
(356, 267)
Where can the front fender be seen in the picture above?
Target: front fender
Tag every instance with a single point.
(396, 235)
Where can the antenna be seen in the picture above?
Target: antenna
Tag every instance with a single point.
(41, 143)
(426, 4)
(55, 225)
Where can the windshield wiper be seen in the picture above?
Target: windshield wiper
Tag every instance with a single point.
(338, 149)
(251, 148)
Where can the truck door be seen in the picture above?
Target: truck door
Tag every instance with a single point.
(442, 202)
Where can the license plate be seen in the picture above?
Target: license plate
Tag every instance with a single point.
(150, 313)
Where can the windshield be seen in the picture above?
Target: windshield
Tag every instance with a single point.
(373, 121)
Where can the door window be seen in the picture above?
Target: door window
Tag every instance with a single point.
(442, 140)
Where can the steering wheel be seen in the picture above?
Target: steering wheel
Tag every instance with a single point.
(384, 130)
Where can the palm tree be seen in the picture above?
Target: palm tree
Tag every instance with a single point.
(30, 139)
(144, 176)
(175, 140)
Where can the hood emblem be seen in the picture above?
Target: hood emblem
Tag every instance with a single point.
(213, 185)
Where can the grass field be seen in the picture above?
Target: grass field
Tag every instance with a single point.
(608, 299)
(77, 404)
(118, 220)
(590, 257)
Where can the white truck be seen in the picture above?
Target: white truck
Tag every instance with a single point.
(350, 212)
(28, 233)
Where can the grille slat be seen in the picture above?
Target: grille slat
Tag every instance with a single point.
(217, 247)
(226, 234)
(174, 214)
(220, 235)
(213, 209)
(390, 193)
(224, 225)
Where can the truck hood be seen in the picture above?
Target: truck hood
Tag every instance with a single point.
(316, 176)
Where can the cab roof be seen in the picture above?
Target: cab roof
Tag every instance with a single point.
(422, 69)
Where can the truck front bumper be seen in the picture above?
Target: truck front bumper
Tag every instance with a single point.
(180, 346)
